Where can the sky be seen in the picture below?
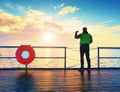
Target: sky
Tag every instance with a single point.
(54, 22)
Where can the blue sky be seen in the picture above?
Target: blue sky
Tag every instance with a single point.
(90, 11)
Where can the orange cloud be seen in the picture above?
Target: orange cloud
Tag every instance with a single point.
(10, 23)
(105, 35)
(30, 28)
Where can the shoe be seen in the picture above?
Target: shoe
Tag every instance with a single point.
(81, 70)
(88, 69)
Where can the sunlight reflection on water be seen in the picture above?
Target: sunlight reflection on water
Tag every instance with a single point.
(73, 59)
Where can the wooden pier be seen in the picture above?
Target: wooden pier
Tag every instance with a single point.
(103, 80)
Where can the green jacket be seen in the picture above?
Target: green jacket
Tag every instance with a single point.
(85, 38)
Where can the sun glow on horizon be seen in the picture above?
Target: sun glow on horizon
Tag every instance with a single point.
(48, 37)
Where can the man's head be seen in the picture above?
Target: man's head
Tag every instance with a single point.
(84, 28)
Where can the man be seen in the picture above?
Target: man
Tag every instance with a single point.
(85, 41)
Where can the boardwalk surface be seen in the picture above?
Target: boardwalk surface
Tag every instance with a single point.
(60, 81)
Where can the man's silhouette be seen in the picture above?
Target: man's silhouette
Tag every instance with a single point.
(85, 41)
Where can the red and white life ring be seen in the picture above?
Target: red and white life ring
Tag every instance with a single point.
(21, 50)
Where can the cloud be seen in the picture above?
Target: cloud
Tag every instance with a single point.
(72, 24)
(7, 22)
(58, 6)
(105, 35)
(10, 23)
(26, 29)
(30, 28)
(67, 10)
(34, 20)
(101, 28)
(21, 8)
(108, 21)
(1, 11)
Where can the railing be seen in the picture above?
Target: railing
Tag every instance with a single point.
(51, 57)
(104, 57)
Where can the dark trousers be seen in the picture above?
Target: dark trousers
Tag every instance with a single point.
(84, 49)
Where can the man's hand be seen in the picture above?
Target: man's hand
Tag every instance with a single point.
(76, 31)
(76, 36)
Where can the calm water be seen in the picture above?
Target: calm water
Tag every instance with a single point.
(73, 60)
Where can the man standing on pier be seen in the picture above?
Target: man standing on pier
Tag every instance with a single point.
(85, 41)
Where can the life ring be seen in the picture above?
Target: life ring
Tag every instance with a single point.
(25, 50)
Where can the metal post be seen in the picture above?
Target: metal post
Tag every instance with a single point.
(65, 58)
(98, 58)
(26, 66)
